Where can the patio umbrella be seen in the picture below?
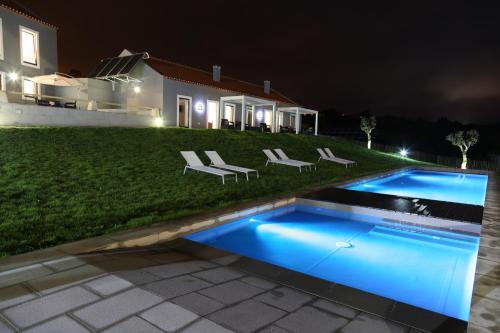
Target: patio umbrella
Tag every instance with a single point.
(60, 80)
(57, 79)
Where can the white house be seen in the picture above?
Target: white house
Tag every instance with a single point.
(132, 89)
(195, 98)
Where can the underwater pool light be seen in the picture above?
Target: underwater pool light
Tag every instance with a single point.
(343, 244)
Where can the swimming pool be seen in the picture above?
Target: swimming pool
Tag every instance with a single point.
(435, 185)
(433, 270)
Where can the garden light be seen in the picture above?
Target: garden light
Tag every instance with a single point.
(13, 76)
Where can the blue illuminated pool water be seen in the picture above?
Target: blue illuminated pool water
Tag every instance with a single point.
(442, 186)
(431, 270)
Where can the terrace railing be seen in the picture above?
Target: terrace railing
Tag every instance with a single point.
(83, 104)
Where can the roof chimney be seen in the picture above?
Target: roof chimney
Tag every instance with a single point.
(267, 87)
(216, 73)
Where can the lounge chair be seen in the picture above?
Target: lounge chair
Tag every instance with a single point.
(284, 157)
(271, 158)
(218, 162)
(330, 157)
(194, 163)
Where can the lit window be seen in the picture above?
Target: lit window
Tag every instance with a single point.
(229, 112)
(29, 89)
(1, 39)
(2, 81)
(29, 47)
(268, 117)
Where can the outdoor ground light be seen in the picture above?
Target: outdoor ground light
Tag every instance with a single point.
(403, 152)
(13, 76)
(158, 121)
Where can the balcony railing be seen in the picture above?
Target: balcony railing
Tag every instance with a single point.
(83, 104)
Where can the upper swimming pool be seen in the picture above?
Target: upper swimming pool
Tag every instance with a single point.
(428, 269)
(435, 185)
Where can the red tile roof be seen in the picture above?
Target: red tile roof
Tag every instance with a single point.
(18, 8)
(192, 75)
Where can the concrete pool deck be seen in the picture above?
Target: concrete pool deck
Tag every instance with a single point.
(154, 288)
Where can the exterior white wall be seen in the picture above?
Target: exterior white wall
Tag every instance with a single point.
(151, 85)
(199, 94)
(13, 114)
(12, 50)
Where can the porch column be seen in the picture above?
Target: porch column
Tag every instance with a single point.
(273, 125)
(253, 116)
(316, 124)
(221, 109)
(243, 113)
(297, 120)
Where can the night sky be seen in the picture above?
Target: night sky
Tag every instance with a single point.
(426, 59)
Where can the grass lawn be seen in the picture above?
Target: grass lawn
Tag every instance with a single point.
(63, 184)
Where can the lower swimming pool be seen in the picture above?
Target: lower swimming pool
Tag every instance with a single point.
(428, 269)
(435, 185)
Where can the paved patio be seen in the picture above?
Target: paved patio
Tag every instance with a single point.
(158, 289)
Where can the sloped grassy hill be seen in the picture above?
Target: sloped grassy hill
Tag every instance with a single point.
(64, 184)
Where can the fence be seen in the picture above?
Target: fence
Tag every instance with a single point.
(450, 161)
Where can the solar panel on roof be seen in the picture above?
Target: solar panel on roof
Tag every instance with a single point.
(128, 67)
(109, 66)
(119, 65)
(99, 67)
(116, 66)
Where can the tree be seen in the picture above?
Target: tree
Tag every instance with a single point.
(464, 140)
(368, 125)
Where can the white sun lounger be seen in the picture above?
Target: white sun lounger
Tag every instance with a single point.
(271, 158)
(193, 162)
(284, 157)
(218, 162)
(330, 157)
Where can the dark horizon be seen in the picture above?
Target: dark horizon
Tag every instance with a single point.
(425, 60)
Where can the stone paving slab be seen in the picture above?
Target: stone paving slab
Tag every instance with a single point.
(37, 310)
(335, 308)
(62, 324)
(485, 313)
(258, 282)
(113, 309)
(21, 274)
(64, 263)
(4, 328)
(137, 277)
(218, 275)
(308, 319)
(54, 282)
(487, 287)
(285, 298)
(108, 285)
(171, 270)
(177, 286)
(198, 303)
(13, 295)
(488, 268)
(205, 326)
(247, 316)
(133, 325)
(273, 329)
(169, 317)
(231, 292)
